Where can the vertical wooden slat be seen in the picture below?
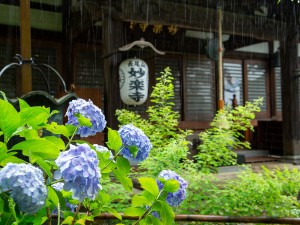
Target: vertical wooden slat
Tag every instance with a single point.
(112, 38)
(25, 39)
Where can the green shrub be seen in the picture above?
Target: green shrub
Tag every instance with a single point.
(226, 134)
(269, 193)
(170, 147)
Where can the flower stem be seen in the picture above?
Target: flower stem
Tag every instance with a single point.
(115, 156)
(76, 213)
(70, 140)
(149, 209)
(49, 216)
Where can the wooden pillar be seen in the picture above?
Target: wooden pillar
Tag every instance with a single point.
(25, 39)
(290, 94)
(113, 38)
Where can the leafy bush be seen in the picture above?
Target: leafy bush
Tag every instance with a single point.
(269, 193)
(170, 147)
(226, 134)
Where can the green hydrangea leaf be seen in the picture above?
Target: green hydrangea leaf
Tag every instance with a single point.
(11, 159)
(133, 150)
(113, 211)
(9, 119)
(38, 147)
(131, 211)
(123, 165)
(44, 165)
(35, 116)
(166, 213)
(57, 141)
(55, 128)
(139, 200)
(68, 220)
(26, 132)
(123, 179)
(114, 140)
(83, 121)
(149, 184)
(52, 196)
(3, 148)
(171, 185)
(155, 220)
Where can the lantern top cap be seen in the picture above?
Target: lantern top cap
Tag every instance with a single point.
(142, 44)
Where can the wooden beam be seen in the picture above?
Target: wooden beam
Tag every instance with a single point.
(25, 38)
(290, 95)
(113, 38)
(200, 18)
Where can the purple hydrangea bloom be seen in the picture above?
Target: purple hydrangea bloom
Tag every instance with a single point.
(88, 110)
(25, 184)
(58, 187)
(133, 136)
(79, 168)
(101, 148)
(175, 198)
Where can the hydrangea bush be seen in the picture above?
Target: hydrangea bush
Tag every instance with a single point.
(58, 179)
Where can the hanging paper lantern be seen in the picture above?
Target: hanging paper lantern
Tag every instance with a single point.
(134, 79)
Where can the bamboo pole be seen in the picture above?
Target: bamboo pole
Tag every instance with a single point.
(213, 218)
(220, 62)
(25, 39)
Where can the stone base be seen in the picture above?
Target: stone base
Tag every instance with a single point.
(295, 159)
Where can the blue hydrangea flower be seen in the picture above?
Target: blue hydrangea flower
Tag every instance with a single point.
(101, 148)
(88, 110)
(175, 198)
(58, 187)
(79, 168)
(133, 136)
(26, 186)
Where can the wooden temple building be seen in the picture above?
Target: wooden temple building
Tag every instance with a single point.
(81, 39)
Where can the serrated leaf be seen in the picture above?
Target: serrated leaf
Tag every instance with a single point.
(80, 221)
(22, 104)
(68, 220)
(139, 200)
(166, 213)
(44, 165)
(114, 212)
(131, 211)
(148, 196)
(3, 148)
(154, 220)
(57, 141)
(34, 116)
(52, 196)
(1, 205)
(171, 185)
(26, 132)
(123, 179)
(114, 140)
(38, 147)
(133, 150)
(9, 119)
(11, 159)
(105, 198)
(83, 121)
(150, 185)
(123, 165)
(55, 128)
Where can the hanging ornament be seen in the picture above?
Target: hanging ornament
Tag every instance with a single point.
(133, 80)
